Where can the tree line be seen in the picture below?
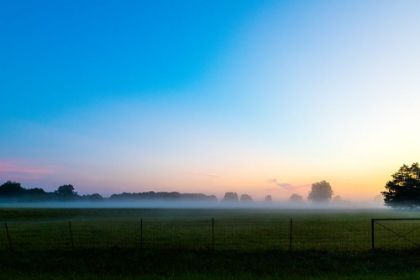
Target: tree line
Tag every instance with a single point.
(13, 192)
(403, 191)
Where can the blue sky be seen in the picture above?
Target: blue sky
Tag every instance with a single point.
(209, 96)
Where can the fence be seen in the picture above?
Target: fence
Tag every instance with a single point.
(202, 235)
(395, 233)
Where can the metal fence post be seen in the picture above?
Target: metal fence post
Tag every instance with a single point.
(212, 232)
(71, 236)
(8, 237)
(290, 236)
(141, 234)
(372, 229)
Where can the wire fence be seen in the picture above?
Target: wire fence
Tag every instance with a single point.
(391, 234)
(210, 235)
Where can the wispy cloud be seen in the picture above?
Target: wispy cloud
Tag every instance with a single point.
(22, 171)
(203, 174)
(286, 186)
(10, 167)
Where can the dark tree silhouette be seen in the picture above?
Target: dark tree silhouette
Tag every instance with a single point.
(295, 198)
(13, 192)
(35, 191)
(246, 198)
(66, 192)
(230, 197)
(175, 196)
(268, 199)
(11, 188)
(404, 190)
(321, 192)
(95, 197)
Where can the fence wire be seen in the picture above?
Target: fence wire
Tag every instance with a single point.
(391, 235)
(337, 236)
(208, 235)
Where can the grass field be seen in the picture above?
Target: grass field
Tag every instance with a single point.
(204, 229)
(179, 243)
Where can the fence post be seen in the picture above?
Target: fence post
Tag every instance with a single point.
(290, 236)
(8, 237)
(212, 232)
(141, 234)
(372, 229)
(71, 236)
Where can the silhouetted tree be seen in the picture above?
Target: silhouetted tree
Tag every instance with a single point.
(66, 192)
(35, 191)
(246, 198)
(95, 197)
(268, 199)
(164, 196)
(295, 198)
(321, 192)
(13, 191)
(404, 190)
(230, 197)
(11, 188)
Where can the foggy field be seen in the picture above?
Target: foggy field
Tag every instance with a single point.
(194, 229)
(178, 243)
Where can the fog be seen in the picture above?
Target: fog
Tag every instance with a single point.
(164, 204)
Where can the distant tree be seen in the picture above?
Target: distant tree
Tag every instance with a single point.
(36, 194)
(95, 197)
(268, 199)
(403, 191)
(11, 188)
(379, 199)
(321, 192)
(295, 198)
(337, 200)
(173, 196)
(211, 198)
(66, 192)
(246, 198)
(230, 197)
(35, 191)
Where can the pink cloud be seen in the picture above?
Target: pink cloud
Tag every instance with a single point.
(287, 186)
(272, 189)
(22, 171)
(9, 167)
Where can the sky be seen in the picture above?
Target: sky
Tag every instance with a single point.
(257, 97)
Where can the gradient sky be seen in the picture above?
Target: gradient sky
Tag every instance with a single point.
(257, 97)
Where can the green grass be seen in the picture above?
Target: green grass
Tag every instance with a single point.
(191, 229)
(177, 244)
(130, 264)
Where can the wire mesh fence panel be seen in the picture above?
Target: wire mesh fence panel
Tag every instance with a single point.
(39, 236)
(106, 235)
(161, 235)
(251, 236)
(206, 235)
(337, 236)
(396, 234)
